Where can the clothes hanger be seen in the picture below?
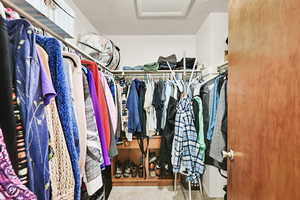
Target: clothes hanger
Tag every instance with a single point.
(178, 84)
(191, 76)
(70, 58)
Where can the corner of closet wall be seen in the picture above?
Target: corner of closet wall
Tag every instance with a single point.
(211, 43)
(211, 40)
(82, 25)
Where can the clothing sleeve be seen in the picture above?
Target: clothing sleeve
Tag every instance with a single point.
(111, 105)
(147, 97)
(213, 108)
(48, 91)
(218, 142)
(177, 143)
(201, 139)
(134, 124)
(155, 99)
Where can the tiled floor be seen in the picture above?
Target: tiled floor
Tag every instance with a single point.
(152, 193)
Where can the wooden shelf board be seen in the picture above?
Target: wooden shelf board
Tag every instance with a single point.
(122, 147)
(155, 181)
(154, 143)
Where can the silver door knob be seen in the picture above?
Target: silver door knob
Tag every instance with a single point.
(229, 155)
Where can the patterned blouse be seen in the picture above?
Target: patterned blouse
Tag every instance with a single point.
(10, 185)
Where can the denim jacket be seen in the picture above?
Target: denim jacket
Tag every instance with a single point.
(134, 122)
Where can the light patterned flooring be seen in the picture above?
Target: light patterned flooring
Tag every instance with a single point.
(152, 193)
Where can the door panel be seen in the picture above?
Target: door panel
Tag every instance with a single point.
(264, 99)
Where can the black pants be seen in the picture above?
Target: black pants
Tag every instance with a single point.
(168, 134)
(7, 119)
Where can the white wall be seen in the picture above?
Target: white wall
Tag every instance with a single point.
(211, 39)
(211, 44)
(141, 49)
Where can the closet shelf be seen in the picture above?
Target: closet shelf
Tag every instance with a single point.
(154, 143)
(142, 182)
(50, 16)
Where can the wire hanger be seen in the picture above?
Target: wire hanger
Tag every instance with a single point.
(191, 76)
(178, 84)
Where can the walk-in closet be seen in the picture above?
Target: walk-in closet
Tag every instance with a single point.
(149, 99)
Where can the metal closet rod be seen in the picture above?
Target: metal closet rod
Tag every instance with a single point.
(46, 29)
(153, 72)
(223, 65)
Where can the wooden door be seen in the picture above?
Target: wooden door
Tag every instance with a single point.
(264, 99)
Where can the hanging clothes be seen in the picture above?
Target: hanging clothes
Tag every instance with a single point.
(10, 185)
(123, 91)
(167, 92)
(74, 67)
(218, 142)
(150, 110)
(214, 101)
(7, 119)
(119, 112)
(94, 157)
(206, 94)
(113, 151)
(34, 94)
(22, 170)
(185, 148)
(110, 102)
(142, 112)
(134, 122)
(64, 104)
(112, 88)
(61, 174)
(158, 103)
(98, 116)
(198, 113)
(101, 99)
(168, 136)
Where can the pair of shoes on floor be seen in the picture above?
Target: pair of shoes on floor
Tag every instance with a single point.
(127, 169)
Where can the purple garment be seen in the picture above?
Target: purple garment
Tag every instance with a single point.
(10, 185)
(98, 117)
(34, 91)
(48, 91)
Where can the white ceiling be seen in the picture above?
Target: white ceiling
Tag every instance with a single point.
(165, 8)
(121, 17)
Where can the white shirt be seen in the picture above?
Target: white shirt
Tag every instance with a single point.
(150, 110)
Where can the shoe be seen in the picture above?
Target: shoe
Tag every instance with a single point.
(152, 157)
(134, 170)
(127, 169)
(152, 169)
(141, 171)
(118, 173)
(157, 170)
